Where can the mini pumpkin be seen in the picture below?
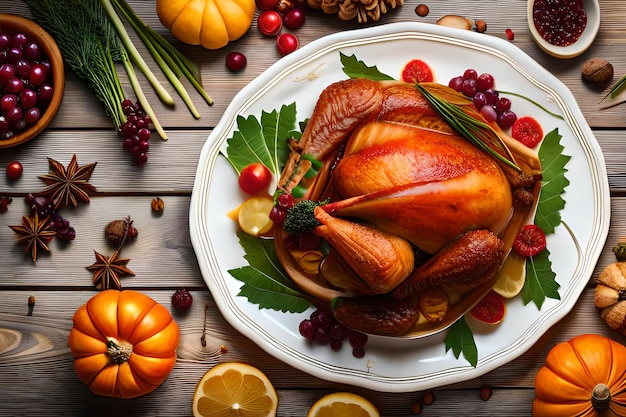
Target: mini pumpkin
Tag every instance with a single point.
(585, 376)
(610, 296)
(210, 23)
(123, 343)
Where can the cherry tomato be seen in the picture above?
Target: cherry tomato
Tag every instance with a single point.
(491, 309)
(286, 43)
(270, 23)
(255, 178)
(530, 240)
(14, 170)
(417, 71)
(528, 131)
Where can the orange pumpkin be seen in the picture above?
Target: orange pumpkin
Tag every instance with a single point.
(585, 376)
(123, 343)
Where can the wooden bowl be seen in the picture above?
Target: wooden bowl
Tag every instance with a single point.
(12, 24)
(592, 8)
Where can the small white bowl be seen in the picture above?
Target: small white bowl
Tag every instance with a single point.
(592, 8)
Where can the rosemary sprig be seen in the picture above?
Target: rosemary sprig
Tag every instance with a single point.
(456, 109)
(615, 90)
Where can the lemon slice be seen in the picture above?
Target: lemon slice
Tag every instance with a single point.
(512, 276)
(234, 389)
(254, 215)
(343, 404)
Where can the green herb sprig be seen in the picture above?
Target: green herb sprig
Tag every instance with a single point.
(458, 111)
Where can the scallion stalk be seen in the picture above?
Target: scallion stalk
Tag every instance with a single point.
(169, 59)
(134, 54)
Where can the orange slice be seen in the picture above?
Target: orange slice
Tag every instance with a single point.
(254, 215)
(343, 404)
(234, 389)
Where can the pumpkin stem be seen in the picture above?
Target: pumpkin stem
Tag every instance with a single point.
(119, 351)
(601, 397)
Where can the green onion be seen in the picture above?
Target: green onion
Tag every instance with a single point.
(458, 111)
(173, 63)
(558, 116)
(615, 90)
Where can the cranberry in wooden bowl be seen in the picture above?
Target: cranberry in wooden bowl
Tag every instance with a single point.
(563, 28)
(32, 80)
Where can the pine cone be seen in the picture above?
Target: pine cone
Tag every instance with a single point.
(362, 10)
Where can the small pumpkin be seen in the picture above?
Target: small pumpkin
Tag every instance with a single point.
(585, 376)
(123, 343)
(210, 23)
(610, 296)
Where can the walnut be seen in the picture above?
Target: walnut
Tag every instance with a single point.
(597, 71)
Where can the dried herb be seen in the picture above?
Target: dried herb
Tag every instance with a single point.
(67, 186)
(107, 271)
(36, 233)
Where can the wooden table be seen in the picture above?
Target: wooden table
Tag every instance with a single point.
(36, 375)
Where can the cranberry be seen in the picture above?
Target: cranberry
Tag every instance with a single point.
(19, 40)
(32, 115)
(270, 23)
(32, 51)
(14, 85)
(28, 98)
(266, 4)
(8, 102)
(38, 74)
(45, 92)
(294, 18)
(286, 43)
(236, 61)
(14, 170)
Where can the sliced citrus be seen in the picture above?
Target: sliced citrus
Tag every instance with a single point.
(234, 389)
(254, 215)
(512, 276)
(342, 404)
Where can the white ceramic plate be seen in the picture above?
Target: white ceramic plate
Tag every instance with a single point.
(398, 365)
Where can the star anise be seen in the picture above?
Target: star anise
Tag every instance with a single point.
(107, 271)
(35, 232)
(67, 186)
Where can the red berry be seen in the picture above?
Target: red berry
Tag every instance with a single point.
(182, 299)
(266, 4)
(270, 23)
(235, 61)
(509, 34)
(528, 131)
(490, 309)
(294, 18)
(529, 241)
(286, 43)
(14, 170)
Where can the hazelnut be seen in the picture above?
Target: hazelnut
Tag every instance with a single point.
(428, 398)
(481, 26)
(422, 10)
(485, 392)
(597, 71)
(416, 408)
(157, 204)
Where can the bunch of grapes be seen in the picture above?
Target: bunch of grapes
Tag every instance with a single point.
(322, 328)
(480, 88)
(283, 203)
(135, 132)
(44, 208)
(4, 203)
